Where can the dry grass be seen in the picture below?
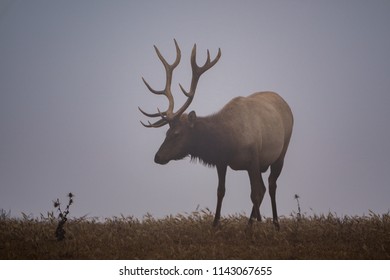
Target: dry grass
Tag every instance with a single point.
(192, 237)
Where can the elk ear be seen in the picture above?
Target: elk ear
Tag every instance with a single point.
(192, 118)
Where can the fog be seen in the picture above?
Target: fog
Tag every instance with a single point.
(70, 87)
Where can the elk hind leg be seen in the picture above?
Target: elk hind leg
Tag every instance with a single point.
(276, 169)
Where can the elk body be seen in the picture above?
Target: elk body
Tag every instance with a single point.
(249, 133)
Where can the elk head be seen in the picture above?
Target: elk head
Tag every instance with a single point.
(178, 138)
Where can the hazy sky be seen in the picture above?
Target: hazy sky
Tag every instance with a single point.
(70, 85)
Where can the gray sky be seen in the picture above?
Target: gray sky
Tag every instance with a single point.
(70, 85)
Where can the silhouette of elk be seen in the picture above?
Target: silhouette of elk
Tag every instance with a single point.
(249, 133)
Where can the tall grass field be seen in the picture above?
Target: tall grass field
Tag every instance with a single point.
(192, 236)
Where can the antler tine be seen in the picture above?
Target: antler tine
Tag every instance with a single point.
(163, 121)
(155, 115)
(165, 63)
(208, 64)
(184, 91)
(159, 92)
(157, 124)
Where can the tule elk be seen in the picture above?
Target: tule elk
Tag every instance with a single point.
(249, 133)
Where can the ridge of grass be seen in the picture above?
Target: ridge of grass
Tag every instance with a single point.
(191, 236)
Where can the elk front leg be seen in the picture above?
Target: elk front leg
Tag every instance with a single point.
(257, 194)
(220, 192)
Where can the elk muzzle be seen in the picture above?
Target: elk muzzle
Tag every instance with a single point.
(159, 159)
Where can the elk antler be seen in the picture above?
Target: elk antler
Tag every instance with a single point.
(168, 116)
(165, 116)
(196, 73)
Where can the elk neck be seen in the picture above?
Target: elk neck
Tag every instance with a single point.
(209, 142)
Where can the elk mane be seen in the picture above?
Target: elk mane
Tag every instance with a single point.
(209, 141)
